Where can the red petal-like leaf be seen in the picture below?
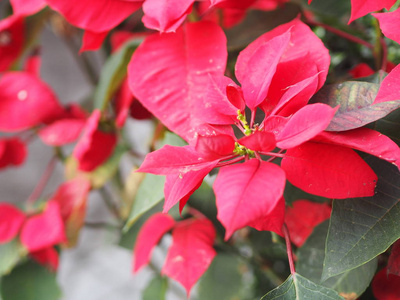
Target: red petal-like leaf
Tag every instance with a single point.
(303, 217)
(304, 125)
(95, 15)
(11, 220)
(394, 260)
(273, 221)
(329, 171)
(12, 34)
(256, 67)
(386, 287)
(388, 22)
(33, 63)
(92, 40)
(259, 141)
(366, 140)
(179, 187)
(361, 70)
(27, 7)
(241, 195)
(25, 102)
(123, 101)
(44, 230)
(390, 87)
(191, 252)
(62, 132)
(164, 16)
(360, 8)
(71, 197)
(95, 146)
(168, 73)
(14, 152)
(149, 235)
(47, 257)
(215, 147)
(172, 160)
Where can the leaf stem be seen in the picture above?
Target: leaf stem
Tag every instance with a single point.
(42, 182)
(229, 162)
(341, 33)
(289, 249)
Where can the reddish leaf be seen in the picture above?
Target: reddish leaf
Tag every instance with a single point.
(329, 171)
(13, 152)
(360, 8)
(95, 15)
(361, 70)
(92, 40)
(11, 220)
(44, 230)
(388, 22)
(394, 260)
(215, 107)
(191, 252)
(62, 132)
(179, 187)
(164, 16)
(303, 217)
(215, 147)
(273, 221)
(26, 101)
(95, 146)
(172, 160)
(27, 7)
(390, 87)
(123, 101)
(47, 257)
(305, 124)
(366, 140)
(386, 287)
(259, 141)
(149, 235)
(240, 193)
(168, 73)
(71, 197)
(256, 67)
(32, 64)
(12, 36)
(235, 96)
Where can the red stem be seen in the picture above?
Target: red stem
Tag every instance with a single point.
(253, 117)
(341, 33)
(229, 162)
(289, 249)
(43, 181)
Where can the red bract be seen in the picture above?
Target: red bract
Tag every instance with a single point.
(364, 70)
(389, 89)
(191, 251)
(386, 286)
(27, 7)
(168, 72)
(11, 220)
(12, 152)
(303, 217)
(26, 102)
(12, 34)
(318, 163)
(360, 8)
(95, 146)
(389, 23)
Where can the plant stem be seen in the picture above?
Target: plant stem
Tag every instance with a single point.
(43, 181)
(110, 203)
(289, 249)
(341, 33)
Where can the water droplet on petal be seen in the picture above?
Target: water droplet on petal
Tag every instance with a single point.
(22, 95)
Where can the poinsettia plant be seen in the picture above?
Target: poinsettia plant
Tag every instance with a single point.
(271, 167)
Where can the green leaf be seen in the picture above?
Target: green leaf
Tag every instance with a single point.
(362, 228)
(223, 279)
(10, 254)
(310, 259)
(355, 99)
(113, 73)
(151, 190)
(156, 289)
(296, 287)
(30, 281)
